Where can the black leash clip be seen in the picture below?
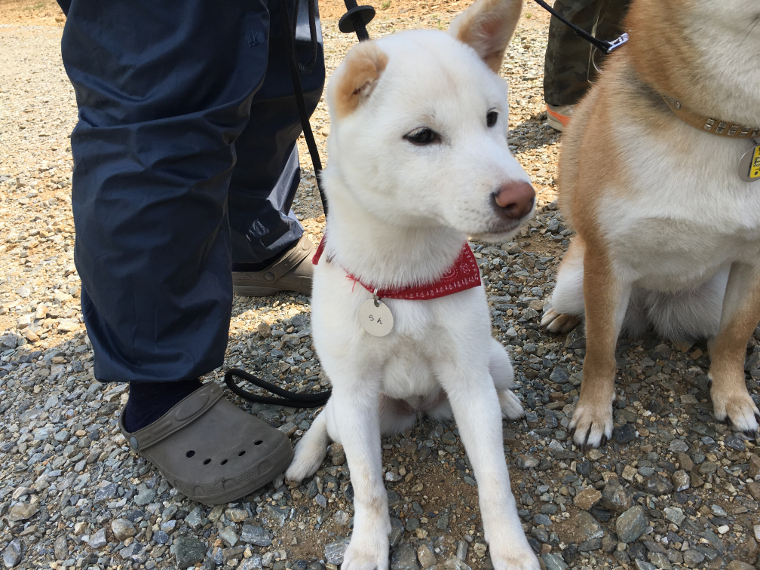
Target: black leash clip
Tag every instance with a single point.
(604, 46)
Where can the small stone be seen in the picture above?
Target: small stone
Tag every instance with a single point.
(674, 515)
(595, 455)
(629, 472)
(526, 462)
(615, 497)
(587, 498)
(122, 528)
(22, 511)
(236, 515)
(195, 517)
(335, 550)
(678, 446)
(588, 526)
(264, 329)
(255, 535)
(659, 485)
(735, 442)
(693, 558)
(228, 536)
(757, 532)
(12, 553)
(189, 551)
(404, 557)
(631, 524)
(425, 556)
(397, 531)
(337, 454)
(106, 492)
(553, 561)
(624, 434)
(754, 466)
(98, 540)
(739, 565)
(455, 564)
(160, 537)
(144, 495)
(681, 481)
(61, 548)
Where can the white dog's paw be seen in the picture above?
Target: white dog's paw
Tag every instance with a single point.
(367, 552)
(737, 409)
(514, 557)
(557, 322)
(510, 405)
(591, 425)
(308, 457)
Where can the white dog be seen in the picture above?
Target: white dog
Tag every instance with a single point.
(656, 177)
(418, 161)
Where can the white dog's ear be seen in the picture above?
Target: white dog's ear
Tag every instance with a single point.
(487, 26)
(357, 77)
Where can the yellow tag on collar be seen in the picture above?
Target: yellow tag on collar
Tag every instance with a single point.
(754, 169)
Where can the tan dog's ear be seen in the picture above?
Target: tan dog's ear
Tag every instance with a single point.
(359, 72)
(487, 26)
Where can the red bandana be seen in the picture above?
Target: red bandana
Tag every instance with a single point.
(464, 274)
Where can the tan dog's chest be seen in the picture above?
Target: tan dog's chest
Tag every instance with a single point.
(687, 215)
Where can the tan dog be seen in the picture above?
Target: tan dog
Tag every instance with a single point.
(668, 231)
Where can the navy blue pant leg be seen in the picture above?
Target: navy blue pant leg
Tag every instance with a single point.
(164, 92)
(266, 175)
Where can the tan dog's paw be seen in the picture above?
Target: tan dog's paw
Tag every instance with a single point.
(510, 405)
(557, 322)
(738, 410)
(591, 425)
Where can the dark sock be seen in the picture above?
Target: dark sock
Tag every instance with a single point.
(148, 401)
(252, 267)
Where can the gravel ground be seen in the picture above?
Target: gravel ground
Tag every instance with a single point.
(673, 489)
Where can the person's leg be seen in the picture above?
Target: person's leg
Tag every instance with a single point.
(163, 92)
(267, 175)
(567, 54)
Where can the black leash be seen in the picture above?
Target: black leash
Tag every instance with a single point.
(355, 20)
(288, 399)
(602, 45)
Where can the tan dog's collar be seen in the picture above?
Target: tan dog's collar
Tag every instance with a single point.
(709, 125)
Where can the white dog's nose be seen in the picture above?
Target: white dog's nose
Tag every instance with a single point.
(514, 200)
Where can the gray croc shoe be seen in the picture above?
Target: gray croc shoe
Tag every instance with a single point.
(211, 450)
(293, 271)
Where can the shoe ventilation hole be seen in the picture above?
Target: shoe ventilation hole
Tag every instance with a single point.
(258, 442)
(190, 453)
(207, 462)
(241, 453)
(223, 462)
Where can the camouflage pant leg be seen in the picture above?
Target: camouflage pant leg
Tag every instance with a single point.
(567, 68)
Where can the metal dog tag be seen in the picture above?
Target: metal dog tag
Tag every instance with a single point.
(376, 317)
(749, 165)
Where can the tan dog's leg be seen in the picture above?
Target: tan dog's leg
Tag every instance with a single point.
(741, 313)
(566, 308)
(607, 299)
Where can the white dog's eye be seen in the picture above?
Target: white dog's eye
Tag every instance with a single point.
(422, 136)
(491, 118)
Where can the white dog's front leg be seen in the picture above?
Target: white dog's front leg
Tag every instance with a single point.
(356, 417)
(478, 416)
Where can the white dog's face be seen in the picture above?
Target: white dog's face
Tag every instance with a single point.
(425, 142)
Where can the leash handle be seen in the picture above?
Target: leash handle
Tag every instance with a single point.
(356, 20)
(287, 399)
(605, 46)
